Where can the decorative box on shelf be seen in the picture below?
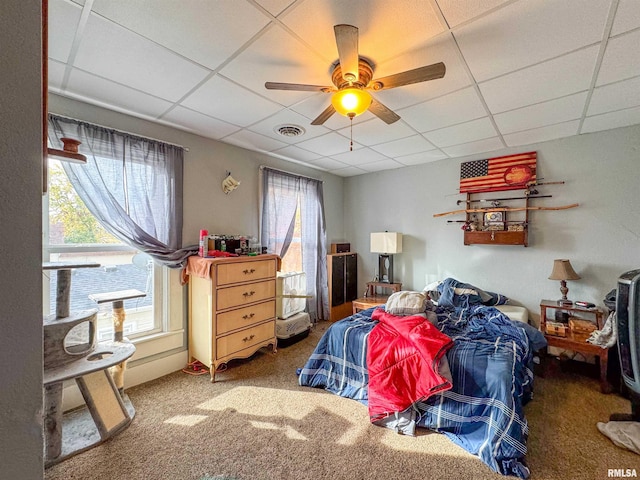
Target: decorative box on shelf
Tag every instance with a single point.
(581, 329)
(556, 328)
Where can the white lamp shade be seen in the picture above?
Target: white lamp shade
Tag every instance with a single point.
(386, 242)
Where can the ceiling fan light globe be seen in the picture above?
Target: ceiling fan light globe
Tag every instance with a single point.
(351, 102)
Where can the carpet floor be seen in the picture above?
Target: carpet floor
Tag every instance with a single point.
(256, 423)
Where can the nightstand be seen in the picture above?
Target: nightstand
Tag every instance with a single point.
(368, 302)
(372, 286)
(572, 340)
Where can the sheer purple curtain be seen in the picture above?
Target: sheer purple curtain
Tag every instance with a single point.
(132, 185)
(282, 194)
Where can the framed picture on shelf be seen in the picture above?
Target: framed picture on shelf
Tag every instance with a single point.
(494, 220)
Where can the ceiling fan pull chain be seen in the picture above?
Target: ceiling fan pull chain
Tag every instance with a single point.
(351, 134)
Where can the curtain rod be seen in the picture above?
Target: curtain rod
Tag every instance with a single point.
(262, 167)
(186, 149)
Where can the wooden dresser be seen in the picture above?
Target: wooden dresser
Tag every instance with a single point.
(232, 308)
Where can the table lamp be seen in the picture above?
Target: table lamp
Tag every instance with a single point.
(386, 244)
(563, 271)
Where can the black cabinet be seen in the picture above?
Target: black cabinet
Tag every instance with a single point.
(343, 283)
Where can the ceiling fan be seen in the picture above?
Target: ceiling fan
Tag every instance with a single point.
(353, 77)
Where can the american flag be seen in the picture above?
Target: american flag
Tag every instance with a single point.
(511, 172)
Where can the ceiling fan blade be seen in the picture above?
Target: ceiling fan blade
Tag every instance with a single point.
(383, 113)
(324, 116)
(297, 86)
(417, 75)
(347, 42)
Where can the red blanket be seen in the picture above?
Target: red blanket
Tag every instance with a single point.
(402, 358)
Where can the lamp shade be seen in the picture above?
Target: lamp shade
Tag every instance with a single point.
(562, 270)
(351, 101)
(386, 242)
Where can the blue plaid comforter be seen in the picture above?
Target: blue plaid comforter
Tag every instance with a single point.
(490, 364)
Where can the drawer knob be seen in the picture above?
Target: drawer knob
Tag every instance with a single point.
(246, 317)
(247, 272)
(249, 294)
(246, 339)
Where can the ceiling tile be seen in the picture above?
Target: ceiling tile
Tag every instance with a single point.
(359, 157)
(63, 21)
(216, 30)
(463, 133)
(199, 123)
(55, 74)
(288, 117)
(471, 148)
(607, 121)
(291, 62)
(379, 39)
(387, 164)
(546, 113)
(275, 7)
(110, 94)
(376, 131)
(615, 96)
(327, 145)
(253, 141)
(439, 49)
(420, 158)
(404, 146)
(450, 109)
(329, 163)
(552, 79)
(348, 172)
(627, 16)
(298, 153)
(457, 12)
(525, 33)
(220, 98)
(621, 59)
(115, 53)
(542, 134)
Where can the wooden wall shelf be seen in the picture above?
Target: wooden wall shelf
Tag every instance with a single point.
(496, 237)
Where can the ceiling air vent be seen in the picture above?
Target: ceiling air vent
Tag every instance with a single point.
(289, 130)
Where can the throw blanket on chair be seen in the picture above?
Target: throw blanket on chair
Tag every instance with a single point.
(402, 357)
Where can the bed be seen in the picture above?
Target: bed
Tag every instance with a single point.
(490, 363)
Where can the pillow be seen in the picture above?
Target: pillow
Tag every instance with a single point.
(406, 303)
(458, 294)
(432, 292)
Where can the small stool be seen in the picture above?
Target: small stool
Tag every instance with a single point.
(118, 315)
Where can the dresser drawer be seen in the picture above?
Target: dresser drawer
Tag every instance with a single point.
(245, 271)
(230, 344)
(245, 317)
(245, 294)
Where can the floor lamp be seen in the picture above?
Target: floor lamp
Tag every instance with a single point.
(386, 244)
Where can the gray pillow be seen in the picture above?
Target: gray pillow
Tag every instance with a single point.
(406, 303)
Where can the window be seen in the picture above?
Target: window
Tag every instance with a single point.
(292, 260)
(292, 226)
(72, 233)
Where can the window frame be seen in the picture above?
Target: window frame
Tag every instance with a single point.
(161, 281)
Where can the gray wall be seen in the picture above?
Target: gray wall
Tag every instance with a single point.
(601, 237)
(21, 442)
(206, 164)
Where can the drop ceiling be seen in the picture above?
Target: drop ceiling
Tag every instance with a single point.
(518, 72)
